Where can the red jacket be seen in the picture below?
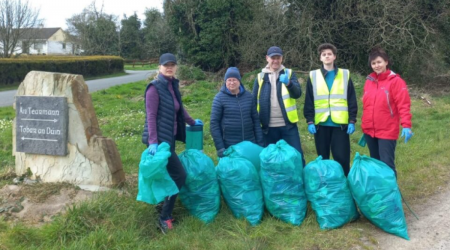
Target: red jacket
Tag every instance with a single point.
(386, 103)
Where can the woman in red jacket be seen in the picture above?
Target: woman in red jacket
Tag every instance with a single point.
(386, 103)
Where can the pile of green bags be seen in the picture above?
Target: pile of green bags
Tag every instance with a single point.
(241, 189)
(200, 193)
(375, 190)
(155, 183)
(327, 189)
(282, 182)
(247, 150)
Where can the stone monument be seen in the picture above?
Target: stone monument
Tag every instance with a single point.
(56, 133)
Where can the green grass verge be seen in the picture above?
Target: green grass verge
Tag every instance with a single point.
(4, 87)
(141, 67)
(115, 220)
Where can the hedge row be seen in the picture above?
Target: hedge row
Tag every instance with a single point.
(15, 70)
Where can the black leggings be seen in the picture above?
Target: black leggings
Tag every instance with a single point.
(178, 175)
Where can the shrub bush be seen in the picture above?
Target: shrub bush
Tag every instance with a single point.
(15, 70)
(190, 73)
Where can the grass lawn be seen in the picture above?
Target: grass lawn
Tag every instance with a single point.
(115, 220)
(105, 76)
(9, 86)
(141, 67)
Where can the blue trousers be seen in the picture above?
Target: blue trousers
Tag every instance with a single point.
(291, 136)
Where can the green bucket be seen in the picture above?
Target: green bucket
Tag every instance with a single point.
(194, 137)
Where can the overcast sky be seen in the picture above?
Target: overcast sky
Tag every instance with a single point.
(55, 12)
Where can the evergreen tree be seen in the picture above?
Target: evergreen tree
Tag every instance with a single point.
(207, 31)
(158, 38)
(131, 38)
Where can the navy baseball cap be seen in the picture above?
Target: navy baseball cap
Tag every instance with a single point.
(274, 51)
(167, 58)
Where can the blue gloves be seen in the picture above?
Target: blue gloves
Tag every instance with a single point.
(198, 122)
(284, 79)
(152, 148)
(312, 128)
(350, 128)
(407, 133)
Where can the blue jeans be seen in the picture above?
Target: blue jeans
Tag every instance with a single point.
(291, 136)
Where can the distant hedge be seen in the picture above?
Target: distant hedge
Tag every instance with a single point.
(14, 70)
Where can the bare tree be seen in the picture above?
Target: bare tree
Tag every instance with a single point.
(17, 20)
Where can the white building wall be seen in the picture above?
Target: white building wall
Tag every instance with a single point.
(48, 48)
(40, 47)
(60, 48)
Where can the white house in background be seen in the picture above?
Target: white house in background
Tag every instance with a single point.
(48, 41)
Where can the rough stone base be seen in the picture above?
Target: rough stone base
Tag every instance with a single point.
(92, 159)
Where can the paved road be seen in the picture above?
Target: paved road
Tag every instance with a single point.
(7, 97)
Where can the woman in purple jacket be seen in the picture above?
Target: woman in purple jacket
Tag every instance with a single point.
(166, 121)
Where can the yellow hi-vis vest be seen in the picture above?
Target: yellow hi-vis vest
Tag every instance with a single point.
(332, 102)
(289, 103)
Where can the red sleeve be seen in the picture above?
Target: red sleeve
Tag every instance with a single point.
(403, 102)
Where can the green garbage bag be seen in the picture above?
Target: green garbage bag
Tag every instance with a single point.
(155, 183)
(375, 190)
(281, 179)
(247, 150)
(327, 189)
(241, 188)
(200, 193)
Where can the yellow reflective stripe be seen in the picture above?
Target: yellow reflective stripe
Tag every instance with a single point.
(339, 108)
(336, 96)
(291, 108)
(324, 110)
(313, 76)
(321, 97)
(289, 72)
(346, 75)
(290, 105)
(260, 80)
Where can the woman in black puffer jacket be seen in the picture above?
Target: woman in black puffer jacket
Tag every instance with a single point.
(233, 116)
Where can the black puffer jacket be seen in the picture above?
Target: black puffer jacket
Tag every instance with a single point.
(234, 119)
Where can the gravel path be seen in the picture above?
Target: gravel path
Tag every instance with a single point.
(431, 231)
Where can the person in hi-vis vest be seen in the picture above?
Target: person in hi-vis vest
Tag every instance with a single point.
(275, 90)
(330, 108)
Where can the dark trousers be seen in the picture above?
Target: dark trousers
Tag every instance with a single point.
(178, 175)
(337, 140)
(291, 136)
(383, 150)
